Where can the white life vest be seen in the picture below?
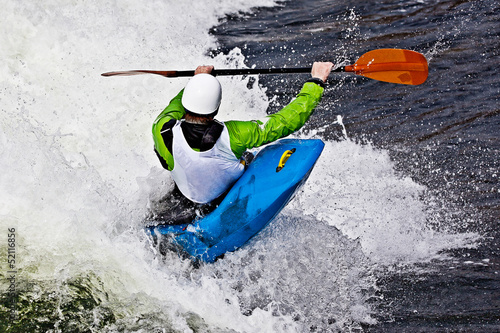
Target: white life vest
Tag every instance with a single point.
(204, 176)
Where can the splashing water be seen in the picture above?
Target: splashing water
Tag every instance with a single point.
(78, 174)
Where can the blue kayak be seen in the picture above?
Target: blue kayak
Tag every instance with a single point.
(265, 188)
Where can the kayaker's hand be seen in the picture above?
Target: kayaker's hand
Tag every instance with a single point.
(321, 70)
(204, 69)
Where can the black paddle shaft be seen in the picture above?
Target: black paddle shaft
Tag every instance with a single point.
(251, 71)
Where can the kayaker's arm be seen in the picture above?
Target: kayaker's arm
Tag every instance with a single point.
(174, 111)
(249, 134)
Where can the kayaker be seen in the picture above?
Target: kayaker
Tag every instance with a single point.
(204, 155)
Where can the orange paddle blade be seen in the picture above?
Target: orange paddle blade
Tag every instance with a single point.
(392, 65)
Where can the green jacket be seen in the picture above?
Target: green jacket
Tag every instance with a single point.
(245, 135)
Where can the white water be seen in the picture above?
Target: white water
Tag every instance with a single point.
(78, 171)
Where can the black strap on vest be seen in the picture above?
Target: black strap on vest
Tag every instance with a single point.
(202, 136)
(198, 136)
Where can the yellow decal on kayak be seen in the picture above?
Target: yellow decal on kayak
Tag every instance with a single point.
(286, 155)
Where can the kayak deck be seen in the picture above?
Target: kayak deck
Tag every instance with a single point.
(265, 188)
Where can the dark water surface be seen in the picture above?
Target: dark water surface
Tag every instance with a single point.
(444, 134)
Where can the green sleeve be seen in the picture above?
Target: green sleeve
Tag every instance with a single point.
(249, 134)
(174, 110)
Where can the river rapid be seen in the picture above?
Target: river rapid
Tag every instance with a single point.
(395, 230)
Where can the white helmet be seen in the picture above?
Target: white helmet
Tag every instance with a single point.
(202, 94)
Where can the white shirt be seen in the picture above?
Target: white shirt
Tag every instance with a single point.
(204, 176)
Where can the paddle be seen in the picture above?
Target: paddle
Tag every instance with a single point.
(388, 65)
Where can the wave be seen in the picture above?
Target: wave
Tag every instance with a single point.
(78, 174)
